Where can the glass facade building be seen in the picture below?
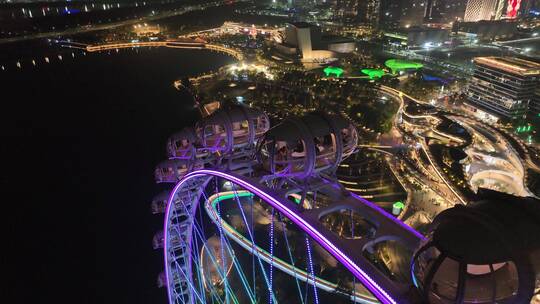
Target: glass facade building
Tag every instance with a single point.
(503, 86)
(481, 10)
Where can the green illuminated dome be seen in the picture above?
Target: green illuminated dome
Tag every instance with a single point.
(333, 70)
(374, 73)
(397, 65)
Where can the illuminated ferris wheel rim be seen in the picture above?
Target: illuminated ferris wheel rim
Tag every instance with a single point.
(273, 160)
(281, 205)
(210, 206)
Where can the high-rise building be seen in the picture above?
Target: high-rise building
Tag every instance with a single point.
(373, 12)
(369, 12)
(454, 10)
(503, 86)
(444, 11)
(347, 10)
(390, 12)
(434, 10)
(484, 10)
(534, 107)
(402, 13)
(412, 13)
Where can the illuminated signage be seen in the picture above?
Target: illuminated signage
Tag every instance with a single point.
(513, 8)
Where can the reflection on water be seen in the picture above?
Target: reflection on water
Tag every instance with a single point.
(91, 129)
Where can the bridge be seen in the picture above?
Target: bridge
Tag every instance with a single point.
(175, 44)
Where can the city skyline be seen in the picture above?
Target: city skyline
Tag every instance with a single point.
(245, 151)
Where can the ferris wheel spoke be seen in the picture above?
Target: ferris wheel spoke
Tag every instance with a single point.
(312, 270)
(222, 272)
(251, 293)
(291, 258)
(240, 271)
(220, 230)
(194, 257)
(200, 274)
(200, 295)
(199, 262)
(226, 243)
(271, 255)
(253, 249)
(190, 284)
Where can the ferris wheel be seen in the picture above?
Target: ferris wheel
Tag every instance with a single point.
(256, 215)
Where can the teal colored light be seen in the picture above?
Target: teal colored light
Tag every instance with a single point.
(242, 194)
(214, 203)
(333, 70)
(229, 196)
(296, 200)
(398, 205)
(523, 129)
(397, 65)
(374, 73)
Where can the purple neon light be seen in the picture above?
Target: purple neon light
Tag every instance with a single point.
(366, 280)
(386, 214)
(271, 256)
(312, 270)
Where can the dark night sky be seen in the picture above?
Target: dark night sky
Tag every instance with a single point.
(79, 144)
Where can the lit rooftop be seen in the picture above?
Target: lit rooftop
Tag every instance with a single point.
(510, 64)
